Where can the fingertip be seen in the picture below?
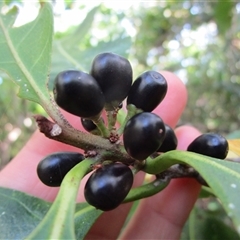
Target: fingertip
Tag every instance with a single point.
(185, 135)
(171, 108)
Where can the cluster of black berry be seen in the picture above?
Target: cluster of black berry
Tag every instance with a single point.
(144, 133)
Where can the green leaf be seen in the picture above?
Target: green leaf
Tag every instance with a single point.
(206, 192)
(223, 177)
(207, 224)
(223, 15)
(66, 53)
(77, 36)
(25, 53)
(85, 216)
(58, 223)
(22, 215)
(19, 213)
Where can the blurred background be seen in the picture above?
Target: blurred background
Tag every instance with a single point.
(198, 41)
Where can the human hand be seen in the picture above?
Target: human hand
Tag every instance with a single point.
(161, 216)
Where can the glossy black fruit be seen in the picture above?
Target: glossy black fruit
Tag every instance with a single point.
(114, 75)
(210, 144)
(108, 186)
(88, 124)
(52, 169)
(143, 135)
(147, 91)
(78, 93)
(170, 140)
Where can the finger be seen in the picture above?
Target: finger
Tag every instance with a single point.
(20, 174)
(163, 215)
(171, 108)
(110, 223)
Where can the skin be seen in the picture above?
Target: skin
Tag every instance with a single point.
(159, 217)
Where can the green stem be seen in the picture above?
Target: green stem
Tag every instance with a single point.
(131, 111)
(166, 160)
(146, 190)
(61, 214)
(102, 127)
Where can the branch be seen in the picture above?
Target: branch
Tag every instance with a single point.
(105, 149)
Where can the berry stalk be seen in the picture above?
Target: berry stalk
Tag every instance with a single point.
(147, 190)
(63, 208)
(131, 111)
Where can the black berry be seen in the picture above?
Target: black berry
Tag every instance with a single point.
(143, 135)
(78, 93)
(52, 169)
(170, 140)
(147, 91)
(88, 124)
(210, 144)
(114, 75)
(107, 187)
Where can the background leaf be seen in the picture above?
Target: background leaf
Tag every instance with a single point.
(25, 52)
(223, 15)
(68, 53)
(19, 213)
(208, 221)
(85, 216)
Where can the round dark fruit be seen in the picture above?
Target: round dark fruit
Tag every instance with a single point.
(114, 75)
(210, 144)
(143, 135)
(107, 187)
(52, 169)
(147, 91)
(170, 140)
(88, 124)
(78, 93)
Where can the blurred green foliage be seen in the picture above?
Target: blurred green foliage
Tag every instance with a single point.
(208, 220)
(199, 41)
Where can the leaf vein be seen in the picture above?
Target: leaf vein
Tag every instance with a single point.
(23, 205)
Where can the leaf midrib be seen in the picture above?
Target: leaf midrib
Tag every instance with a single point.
(21, 65)
(23, 205)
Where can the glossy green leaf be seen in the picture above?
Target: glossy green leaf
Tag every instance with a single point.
(223, 177)
(19, 213)
(58, 223)
(22, 215)
(25, 53)
(85, 216)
